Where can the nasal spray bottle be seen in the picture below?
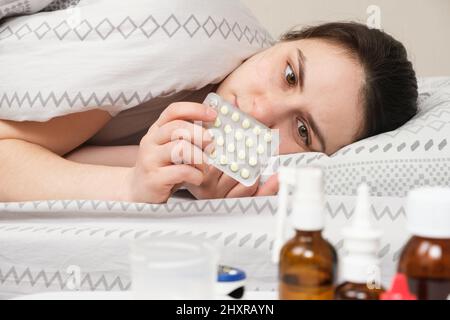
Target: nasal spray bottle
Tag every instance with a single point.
(308, 263)
(360, 267)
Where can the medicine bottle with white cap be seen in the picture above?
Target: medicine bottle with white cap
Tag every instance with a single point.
(425, 259)
(308, 263)
(360, 267)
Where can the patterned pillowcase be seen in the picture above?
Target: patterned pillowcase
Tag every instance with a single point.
(395, 162)
(115, 55)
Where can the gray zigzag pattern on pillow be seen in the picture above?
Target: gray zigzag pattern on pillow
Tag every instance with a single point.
(128, 26)
(230, 206)
(50, 279)
(79, 99)
(225, 205)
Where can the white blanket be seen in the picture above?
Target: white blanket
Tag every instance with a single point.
(115, 54)
(78, 244)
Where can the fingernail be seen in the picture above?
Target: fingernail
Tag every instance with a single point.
(210, 112)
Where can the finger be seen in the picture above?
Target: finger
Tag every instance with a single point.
(212, 175)
(186, 111)
(180, 174)
(180, 129)
(242, 191)
(225, 184)
(269, 188)
(181, 152)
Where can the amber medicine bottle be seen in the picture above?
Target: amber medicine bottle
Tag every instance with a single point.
(308, 263)
(425, 259)
(360, 267)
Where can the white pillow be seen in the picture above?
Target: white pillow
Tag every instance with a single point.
(115, 54)
(395, 162)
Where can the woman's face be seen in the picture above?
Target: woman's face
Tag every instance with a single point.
(315, 109)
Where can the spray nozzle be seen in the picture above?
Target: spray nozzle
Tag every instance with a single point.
(361, 218)
(361, 225)
(361, 241)
(286, 178)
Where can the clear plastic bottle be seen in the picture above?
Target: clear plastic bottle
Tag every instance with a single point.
(360, 267)
(425, 259)
(308, 263)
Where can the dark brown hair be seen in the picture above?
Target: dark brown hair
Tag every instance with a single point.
(389, 92)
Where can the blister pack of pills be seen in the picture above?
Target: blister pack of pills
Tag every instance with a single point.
(242, 146)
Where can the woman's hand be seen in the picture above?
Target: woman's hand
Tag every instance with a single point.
(216, 184)
(171, 153)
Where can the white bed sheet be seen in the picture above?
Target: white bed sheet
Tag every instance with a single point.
(84, 245)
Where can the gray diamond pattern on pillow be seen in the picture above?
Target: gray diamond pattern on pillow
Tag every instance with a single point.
(92, 40)
(147, 26)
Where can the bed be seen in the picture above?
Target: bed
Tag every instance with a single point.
(84, 245)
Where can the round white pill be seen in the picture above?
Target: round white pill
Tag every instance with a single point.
(231, 148)
(224, 110)
(256, 130)
(241, 154)
(267, 137)
(235, 117)
(234, 167)
(252, 161)
(213, 102)
(249, 142)
(227, 128)
(245, 173)
(223, 160)
(246, 124)
(238, 135)
(220, 141)
(217, 123)
(260, 149)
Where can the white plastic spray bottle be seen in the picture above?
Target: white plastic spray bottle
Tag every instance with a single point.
(287, 180)
(360, 267)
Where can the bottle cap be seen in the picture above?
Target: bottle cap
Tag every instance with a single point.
(361, 242)
(230, 283)
(399, 289)
(309, 202)
(428, 212)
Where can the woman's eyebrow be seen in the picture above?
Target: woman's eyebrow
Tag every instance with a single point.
(316, 131)
(301, 67)
(301, 71)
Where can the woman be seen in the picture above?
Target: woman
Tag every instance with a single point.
(322, 87)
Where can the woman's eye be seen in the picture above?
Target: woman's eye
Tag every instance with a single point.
(290, 76)
(303, 131)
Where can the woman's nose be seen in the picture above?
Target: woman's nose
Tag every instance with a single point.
(268, 112)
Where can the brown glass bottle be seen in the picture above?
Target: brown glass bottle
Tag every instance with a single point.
(307, 269)
(426, 263)
(357, 291)
(425, 259)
